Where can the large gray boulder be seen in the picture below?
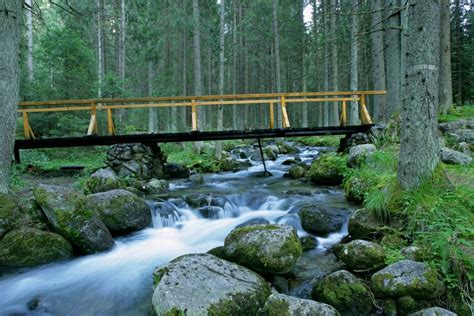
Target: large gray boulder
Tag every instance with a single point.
(202, 284)
(281, 304)
(68, 214)
(269, 249)
(406, 278)
(451, 127)
(28, 247)
(322, 220)
(121, 211)
(463, 135)
(455, 157)
(345, 292)
(10, 213)
(156, 186)
(434, 311)
(361, 255)
(104, 180)
(358, 154)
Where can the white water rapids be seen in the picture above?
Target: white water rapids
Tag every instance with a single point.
(119, 282)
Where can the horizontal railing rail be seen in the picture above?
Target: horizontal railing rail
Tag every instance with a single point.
(270, 99)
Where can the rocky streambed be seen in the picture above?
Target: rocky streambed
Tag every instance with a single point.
(232, 243)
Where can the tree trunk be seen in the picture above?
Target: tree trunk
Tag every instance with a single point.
(29, 34)
(277, 59)
(419, 145)
(197, 67)
(378, 60)
(10, 19)
(326, 62)
(354, 86)
(445, 80)
(152, 112)
(220, 109)
(334, 108)
(392, 56)
(304, 106)
(100, 47)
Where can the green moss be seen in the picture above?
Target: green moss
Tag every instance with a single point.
(277, 308)
(96, 184)
(29, 247)
(158, 274)
(241, 303)
(175, 312)
(406, 305)
(328, 170)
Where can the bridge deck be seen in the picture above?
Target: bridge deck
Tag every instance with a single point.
(184, 137)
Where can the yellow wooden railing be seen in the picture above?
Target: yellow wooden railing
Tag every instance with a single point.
(270, 99)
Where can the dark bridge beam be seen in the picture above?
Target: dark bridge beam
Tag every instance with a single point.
(183, 137)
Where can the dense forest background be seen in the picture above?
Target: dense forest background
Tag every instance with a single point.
(133, 48)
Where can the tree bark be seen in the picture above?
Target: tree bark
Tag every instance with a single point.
(445, 80)
(419, 145)
(378, 60)
(152, 112)
(100, 47)
(326, 62)
(334, 108)
(29, 34)
(392, 56)
(304, 106)
(197, 66)
(10, 19)
(220, 109)
(277, 58)
(354, 86)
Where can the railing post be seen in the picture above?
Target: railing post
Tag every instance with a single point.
(365, 116)
(344, 113)
(110, 122)
(272, 115)
(286, 121)
(92, 130)
(26, 130)
(194, 119)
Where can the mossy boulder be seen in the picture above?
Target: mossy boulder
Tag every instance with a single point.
(407, 278)
(68, 214)
(345, 292)
(10, 213)
(322, 220)
(355, 189)
(271, 152)
(328, 170)
(434, 311)
(104, 180)
(363, 224)
(202, 284)
(296, 172)
(406, 305)
(284, 305)
(196, 200)
(156, 186)
(359, 153)
(361, 255)
(308, 242)
(269, 249)
(121, 211)
(175, 171)
(286, 148)
(29, 247)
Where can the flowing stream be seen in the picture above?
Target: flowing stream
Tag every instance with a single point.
(119, 282)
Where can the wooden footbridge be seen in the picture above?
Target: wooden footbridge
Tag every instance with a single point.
(273, 101)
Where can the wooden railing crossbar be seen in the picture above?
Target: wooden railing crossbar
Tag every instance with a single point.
(270, 99)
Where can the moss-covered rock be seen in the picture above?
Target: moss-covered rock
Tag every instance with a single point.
(286, 148)
(28, 247)
(359, 153)
(196, 200)
(269, 249)
(156, 186)
(361, 255)
(202, 284)
(271, 152)
(328, 170)
(68, 214)
(296, 172)
(363, 224)
(434, 311)
(406, 278)
(284, 305)
(355, 189)
(10, 213)
(104, 180)
(308, 242)
(121, 211)
(322, 220)
(389, 307)
(406, 305)
(345, 292)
